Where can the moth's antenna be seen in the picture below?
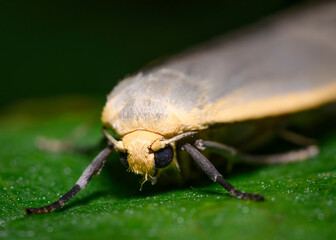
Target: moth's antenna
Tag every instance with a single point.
(117, 144)
(178, 137)
(162, 143)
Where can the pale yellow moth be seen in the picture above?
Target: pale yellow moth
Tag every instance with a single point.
(283, 65)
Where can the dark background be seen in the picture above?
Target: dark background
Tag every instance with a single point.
(51, 48)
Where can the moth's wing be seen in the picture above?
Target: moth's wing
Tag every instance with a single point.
(285, 65)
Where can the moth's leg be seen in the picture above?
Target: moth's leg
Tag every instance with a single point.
(94, 168)
(233, 154)
(65, 145)
(52, 145)
(296, 138)
(209, 169)
(265, 131)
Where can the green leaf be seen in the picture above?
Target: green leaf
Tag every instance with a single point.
(300, 197)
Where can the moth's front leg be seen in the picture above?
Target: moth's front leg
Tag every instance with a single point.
(209, 169)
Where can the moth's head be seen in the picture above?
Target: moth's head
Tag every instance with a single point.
(144, 152)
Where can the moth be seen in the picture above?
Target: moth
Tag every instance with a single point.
(283, 65)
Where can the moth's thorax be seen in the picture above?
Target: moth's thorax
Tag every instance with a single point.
(164, 101)
(140, 156)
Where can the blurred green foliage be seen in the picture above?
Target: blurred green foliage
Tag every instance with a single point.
(67, 47)
(300, 197)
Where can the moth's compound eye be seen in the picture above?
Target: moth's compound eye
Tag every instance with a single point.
(123, 158)
(163, 157)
